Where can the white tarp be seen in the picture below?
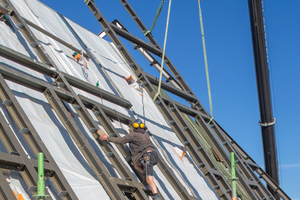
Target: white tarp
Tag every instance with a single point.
(109, 74)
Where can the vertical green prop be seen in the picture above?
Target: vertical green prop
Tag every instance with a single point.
(233, 177)
(41, 182)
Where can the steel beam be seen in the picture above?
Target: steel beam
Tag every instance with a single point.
(26, 61)
(185, 109)
(128, 36)
(75, 82)
(170, 88)
(31, 82)
(12, 162)
(87, 87)
(42, 55)
(16, 162)
(111, 113)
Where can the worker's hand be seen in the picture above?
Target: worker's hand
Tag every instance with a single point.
(103, 137)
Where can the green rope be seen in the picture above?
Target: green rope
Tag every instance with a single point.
(163, 55)
(206, 65)
(156, 16)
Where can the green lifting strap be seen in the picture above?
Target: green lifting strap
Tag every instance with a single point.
(206, 65)
(156, 16)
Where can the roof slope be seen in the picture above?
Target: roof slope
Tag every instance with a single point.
(109, 73)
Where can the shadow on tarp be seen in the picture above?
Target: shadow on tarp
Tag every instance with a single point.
(162, 143)
(109, 70)
(24, 43)
(68, 139)
(106, 58)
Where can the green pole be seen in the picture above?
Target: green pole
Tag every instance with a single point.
(41, 182)
(233, 177)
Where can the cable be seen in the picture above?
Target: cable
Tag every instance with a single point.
(163, 55)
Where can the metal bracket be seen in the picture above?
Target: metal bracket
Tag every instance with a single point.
(267, 124)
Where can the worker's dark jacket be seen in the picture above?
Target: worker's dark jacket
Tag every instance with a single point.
(139, 143)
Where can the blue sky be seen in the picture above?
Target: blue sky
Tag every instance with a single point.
(230, 62)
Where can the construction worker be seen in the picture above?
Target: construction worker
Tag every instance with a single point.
(144, 155)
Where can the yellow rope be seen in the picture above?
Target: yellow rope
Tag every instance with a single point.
(163, 55)
(206, 65)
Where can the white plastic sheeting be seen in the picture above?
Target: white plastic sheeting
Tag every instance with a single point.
(109, 73)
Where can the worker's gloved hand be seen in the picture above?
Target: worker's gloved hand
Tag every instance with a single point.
(102, 135)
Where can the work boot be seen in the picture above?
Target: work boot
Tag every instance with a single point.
(156, 196)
